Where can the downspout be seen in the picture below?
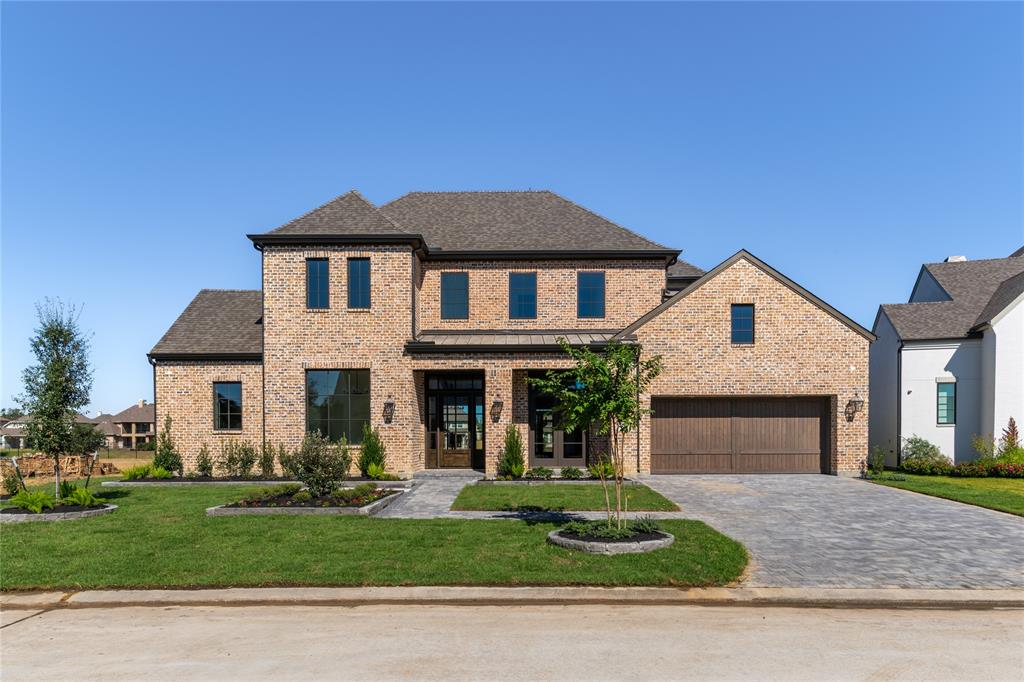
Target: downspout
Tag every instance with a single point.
(156, 418)
(637, 361)
(899, 404)
(263, 355)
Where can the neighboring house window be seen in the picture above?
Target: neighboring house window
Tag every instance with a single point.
(358, 282)
(589, 294)
(454, 295)
(317, 289)
(522, 295)
(338, 402)
(743, 323)
(227, 405)
(945, 403)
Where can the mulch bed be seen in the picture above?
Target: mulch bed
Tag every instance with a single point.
(638, 537)
(58, 509)
(325, 501)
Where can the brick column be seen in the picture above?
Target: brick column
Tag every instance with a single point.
(497, 387)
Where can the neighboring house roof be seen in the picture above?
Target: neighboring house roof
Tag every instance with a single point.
(757, 262)
(683, 270)
(975, 290)
(218, 323)
(106, 427)
(506, 340)
(16, 427)
(136, 413)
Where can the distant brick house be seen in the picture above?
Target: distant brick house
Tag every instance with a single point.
(424, 317)
(130, 428)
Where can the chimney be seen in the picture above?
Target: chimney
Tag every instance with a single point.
(142, 403)
(955, 259)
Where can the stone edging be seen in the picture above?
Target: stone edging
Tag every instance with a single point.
(368, 510)
(391, 485)
(60, 516)
(598, 547)
(567, 481)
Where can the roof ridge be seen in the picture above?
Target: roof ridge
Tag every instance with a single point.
(621, 227)
(239, 291)
(976, 260)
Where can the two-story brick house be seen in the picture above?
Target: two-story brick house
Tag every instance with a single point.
(425, 316)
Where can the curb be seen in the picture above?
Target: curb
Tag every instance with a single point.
(890, 598)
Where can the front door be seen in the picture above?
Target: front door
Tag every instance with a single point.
(550, 446)
(456, 430)
(455, 421)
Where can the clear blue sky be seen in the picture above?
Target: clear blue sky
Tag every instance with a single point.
(845, 144)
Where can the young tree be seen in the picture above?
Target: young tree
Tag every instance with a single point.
(167, 455)
(58, 385)
(85, 439)
(603, 390)
(1011, 437)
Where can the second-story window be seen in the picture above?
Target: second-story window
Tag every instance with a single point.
(589, 294)
(522, 295)
(358, 282)
(454, 295)
(743, 323)
(317, 288)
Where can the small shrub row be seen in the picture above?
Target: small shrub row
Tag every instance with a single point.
(539, 474)
(142, 471)
(604, 531)
(36, 501)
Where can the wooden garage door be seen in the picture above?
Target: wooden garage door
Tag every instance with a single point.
(738, 435)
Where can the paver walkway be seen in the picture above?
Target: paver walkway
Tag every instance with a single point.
(432, 494)
(824, 531)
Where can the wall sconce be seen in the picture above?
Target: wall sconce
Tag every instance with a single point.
(855, 405)
(389, 409)
(496, 411)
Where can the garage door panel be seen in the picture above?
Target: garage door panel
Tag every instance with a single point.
(692, 427)
(689, 463)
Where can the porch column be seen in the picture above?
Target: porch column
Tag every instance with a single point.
(497, 389)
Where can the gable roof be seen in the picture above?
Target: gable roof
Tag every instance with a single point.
(218, 323)
(972, 286)
(135, 413)
(351, 213)
(1007, 292)
(767, 269)
(683, 270)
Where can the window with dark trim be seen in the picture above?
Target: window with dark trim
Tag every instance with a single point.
(522, 295)
(338, 403)
(589, 294)
(454, 295)
(945, 402)
(317, 283)
(227, 405)
(358, 282)
(743, 323)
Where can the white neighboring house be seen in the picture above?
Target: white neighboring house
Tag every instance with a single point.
(949, 365)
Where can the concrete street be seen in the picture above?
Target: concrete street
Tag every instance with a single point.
(593, 642)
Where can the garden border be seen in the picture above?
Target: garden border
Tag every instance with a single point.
(598, 547)
(542, 481)
(171, 483)
(367, 510)
(58, 516)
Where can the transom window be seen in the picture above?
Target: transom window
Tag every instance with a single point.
(338, 402)
(589, 294)
(945, 403)
(358, 282)
(743, 323)
(317, 287)
(454, 295)
(227, 405)
(522, 295)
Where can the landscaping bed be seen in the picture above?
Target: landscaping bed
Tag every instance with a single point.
(1001, 494)
(288, 498)
(555, 497)
(60, 512)
(161, 537)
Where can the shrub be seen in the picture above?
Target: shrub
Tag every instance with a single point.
(204, 463)
(940, 468)
(598, 529)
(512, 465)
(922, 457)
(159, 473)
(645, 524)
(372, 451)
(247, 457)
(167, 456)
(81, 497)
(148, 446)
(876, 460)
(1010, 439)
(66, 488)
(571, 473)
(302, 497)
(11, 483)
(273, 491)
(1012, 456)
(33, 501)
(267, 460)
(377, 473)
(237, 458)
(601, 467)
(984, 446)
(540, 473)
(318, 463)
(136, 472)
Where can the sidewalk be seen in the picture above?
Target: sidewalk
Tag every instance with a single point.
(490, 596)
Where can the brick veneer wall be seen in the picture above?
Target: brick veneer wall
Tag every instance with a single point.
(799, 349)
(631, 289)
(184, 390)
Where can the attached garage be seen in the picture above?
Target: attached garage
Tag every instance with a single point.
(744, 435)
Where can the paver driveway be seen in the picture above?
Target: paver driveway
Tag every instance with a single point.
(824, 531)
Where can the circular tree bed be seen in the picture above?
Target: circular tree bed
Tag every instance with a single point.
(61, 512)
(635, 542)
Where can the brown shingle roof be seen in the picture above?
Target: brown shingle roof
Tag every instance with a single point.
(971, 286)
(1005, 294)
(349, 213)
(136, 413)
(218, 322)
(682, 269)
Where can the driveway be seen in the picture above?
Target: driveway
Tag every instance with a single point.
(826, 531)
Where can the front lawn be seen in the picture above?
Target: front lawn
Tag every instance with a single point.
(161, 537)
(555, 497)
(1002, 494)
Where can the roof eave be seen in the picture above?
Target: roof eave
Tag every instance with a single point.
(545, 254)
(270, 239)
(156, 356)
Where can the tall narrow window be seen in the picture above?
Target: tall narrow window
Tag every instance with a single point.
(945, 403)
(317, 288)
(338, 403)
(522, 295)
(358, 282)
(227, 405)
(589, 294)
(743, 323)
(454, 295)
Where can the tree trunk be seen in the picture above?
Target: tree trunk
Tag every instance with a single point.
(56, 478)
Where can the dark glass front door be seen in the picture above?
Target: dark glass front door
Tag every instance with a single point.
(550, 446)
(455, 421)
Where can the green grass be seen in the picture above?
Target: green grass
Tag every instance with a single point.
(1001, 494)
(160, 537)
(555, 497)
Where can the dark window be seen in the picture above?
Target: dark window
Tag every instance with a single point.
(522, 295)
(227, 405)
(317, 288)
(338, 402)
(358, 282)
(743, 323)
(589, 294)
(454, 295)
(945, 403)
